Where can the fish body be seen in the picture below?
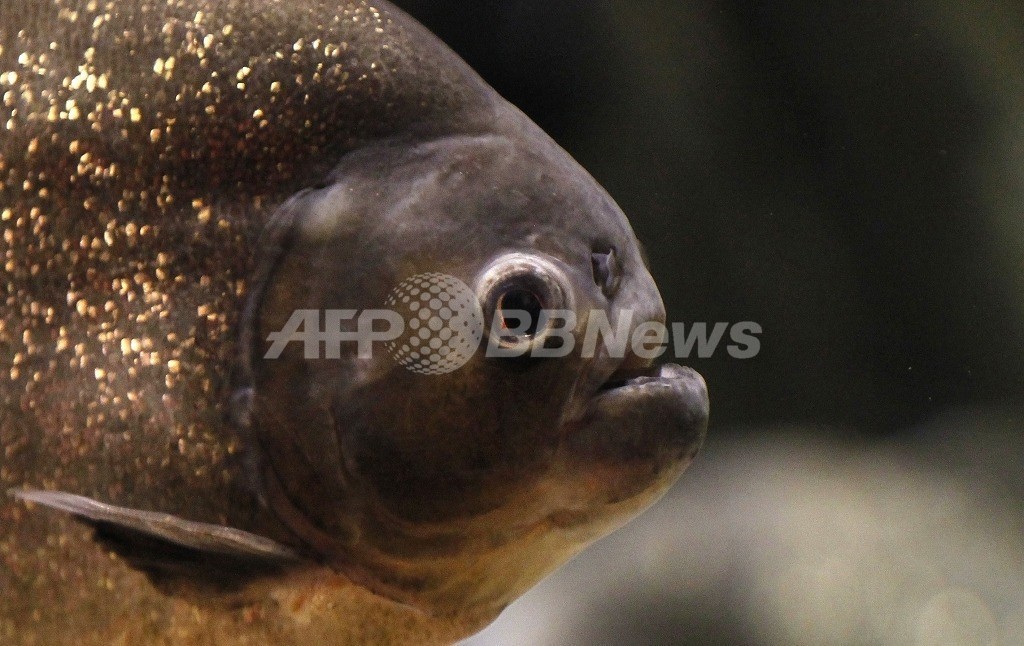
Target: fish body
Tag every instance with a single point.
(176, 180)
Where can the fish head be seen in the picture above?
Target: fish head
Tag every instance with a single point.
(459, 477)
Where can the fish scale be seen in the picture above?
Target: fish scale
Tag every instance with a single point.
(144, 144)
(132, 203)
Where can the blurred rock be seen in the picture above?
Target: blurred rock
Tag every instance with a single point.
(774, 538)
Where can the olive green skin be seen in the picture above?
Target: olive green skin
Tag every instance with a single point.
(143, 153)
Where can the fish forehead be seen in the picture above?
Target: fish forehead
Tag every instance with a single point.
(467, 199)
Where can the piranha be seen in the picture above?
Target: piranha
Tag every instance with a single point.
(178, 178)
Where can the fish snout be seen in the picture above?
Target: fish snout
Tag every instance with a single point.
(641, 430)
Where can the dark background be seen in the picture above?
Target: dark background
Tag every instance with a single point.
(848, 175)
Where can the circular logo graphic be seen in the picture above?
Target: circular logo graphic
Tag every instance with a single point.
(443, 324)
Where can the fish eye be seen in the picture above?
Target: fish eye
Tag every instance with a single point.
(519, 294)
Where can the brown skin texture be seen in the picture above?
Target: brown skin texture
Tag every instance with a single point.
(145, 150)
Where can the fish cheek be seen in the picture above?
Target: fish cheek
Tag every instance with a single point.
(451, 446)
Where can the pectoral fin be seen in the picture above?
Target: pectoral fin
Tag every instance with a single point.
(168, 548)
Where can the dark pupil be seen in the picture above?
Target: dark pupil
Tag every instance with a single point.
(512, 306)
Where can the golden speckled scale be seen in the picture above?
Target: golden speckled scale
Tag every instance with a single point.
(144, 144)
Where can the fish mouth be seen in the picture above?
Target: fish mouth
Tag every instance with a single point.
(625, 377)
(666, 395)
(650, 416)
(633, 379)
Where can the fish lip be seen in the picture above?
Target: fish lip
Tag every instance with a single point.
(629, 381)
(626, 376)
(667, 395)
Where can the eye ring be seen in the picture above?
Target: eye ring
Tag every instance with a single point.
(518, 292)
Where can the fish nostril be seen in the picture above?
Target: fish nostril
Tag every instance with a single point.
(607, 271)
